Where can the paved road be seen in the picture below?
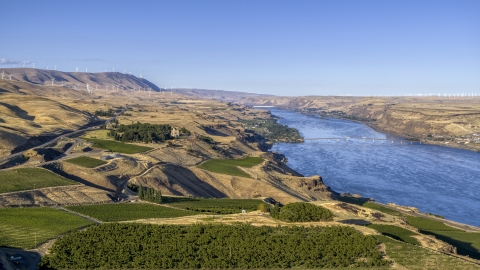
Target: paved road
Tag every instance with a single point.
(65, 135)
(94, 220)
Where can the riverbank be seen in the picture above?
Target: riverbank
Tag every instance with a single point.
(475, 147)
(436, 180)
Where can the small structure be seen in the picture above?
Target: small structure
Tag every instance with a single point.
(175, 133)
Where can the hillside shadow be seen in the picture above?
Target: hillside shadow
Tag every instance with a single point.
(56, 168)
(190, 182)
(463, 248)
(360, 222)
(214, 132)
(18, 112)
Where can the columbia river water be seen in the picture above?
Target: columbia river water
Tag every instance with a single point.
(435, 179)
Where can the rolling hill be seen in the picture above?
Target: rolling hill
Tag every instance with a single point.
(75, 80)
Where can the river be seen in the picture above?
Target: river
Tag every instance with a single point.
(435, 179)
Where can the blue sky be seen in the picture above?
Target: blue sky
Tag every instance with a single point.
(273, 47)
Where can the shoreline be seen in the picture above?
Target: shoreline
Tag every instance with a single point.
(399, 135)
(399, 208)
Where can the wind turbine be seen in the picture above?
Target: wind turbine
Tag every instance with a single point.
(88, 89)
(76, 70)
(10, 77)
(33, 64)
(124, 71)
(23, 63)
(53, 80)
(113, 69)
(141, 76)
(3, 73)
(86, 69)
(55, 67)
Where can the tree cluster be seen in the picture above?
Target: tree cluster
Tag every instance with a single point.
(300, 212)
(149, 194)
(185, 131)
(207, 139)
(130, 245)
(108, 113)
(304, 212)
(141, 132)
(272, 130)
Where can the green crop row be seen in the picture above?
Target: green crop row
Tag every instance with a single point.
(396, 233)
(30, 178)
(128, 211)
(229, 166)
(86, 162)
(25, 227)
(118, 146)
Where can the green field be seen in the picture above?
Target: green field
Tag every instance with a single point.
(229, 166)
(416, 257)
(381, 208)
(25, 179)
(426, 224)
(129, 211)
(218, 206)
(20, 226)
(115, 146)
(467, 243)
(86, 162)
(395, 232)
(366, 204)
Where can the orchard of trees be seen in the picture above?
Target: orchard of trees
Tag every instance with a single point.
(109, 112)
(141, 132)
(130, 245)
(149, 194)
(299, 212)
(304, 212)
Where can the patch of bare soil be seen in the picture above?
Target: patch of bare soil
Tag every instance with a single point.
(55, 196)
(350, 211)
(255, 218)
(177, 180)
(110, 177)
(431, 242)
(174, 155)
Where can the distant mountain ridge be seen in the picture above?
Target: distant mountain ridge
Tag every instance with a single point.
(105, 80)
(221, 95)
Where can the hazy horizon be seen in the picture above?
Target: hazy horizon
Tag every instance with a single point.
(269, 47)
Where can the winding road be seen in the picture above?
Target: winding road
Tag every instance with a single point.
(66, 135)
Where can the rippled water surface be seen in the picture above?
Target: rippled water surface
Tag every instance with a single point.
(435, 179)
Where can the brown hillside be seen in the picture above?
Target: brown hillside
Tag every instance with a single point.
(70, 79)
